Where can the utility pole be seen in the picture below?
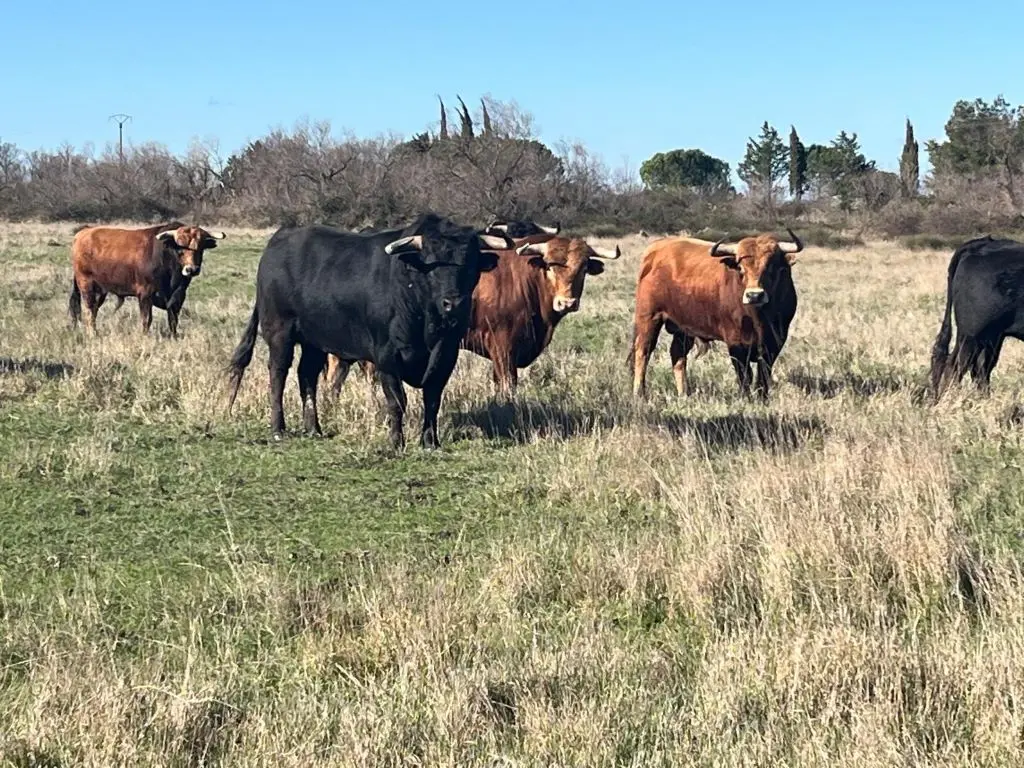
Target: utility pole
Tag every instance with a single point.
(121, 120)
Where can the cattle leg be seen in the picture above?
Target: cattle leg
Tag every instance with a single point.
(431, 405)
(336, 373)
(146, 312)
(505, 375)
(90, 296)
(764, 377)
(740, 357)
(765, 364)
(394, 393)
(965, 354)
(172, 321)
(280, 361)
(984, 363)
(644, 340)
(310, 364)
(681, 346)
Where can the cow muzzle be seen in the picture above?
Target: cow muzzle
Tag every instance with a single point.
(189, 271)
(563, 305)
(755, 296)
(452, 309)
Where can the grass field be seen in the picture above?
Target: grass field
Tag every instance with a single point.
(832, 579)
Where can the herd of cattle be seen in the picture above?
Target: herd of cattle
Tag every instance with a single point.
(403, 302)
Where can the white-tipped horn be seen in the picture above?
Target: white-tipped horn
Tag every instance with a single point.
(533, 249)
(492, 243)
(601, 253)
(497, 226)
(552, 230)
(794, 247)
(169, 233)
(415, 242)
(719, 249)
(215, 235)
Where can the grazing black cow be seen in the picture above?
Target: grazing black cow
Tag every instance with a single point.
(985, 291)
(399, 298)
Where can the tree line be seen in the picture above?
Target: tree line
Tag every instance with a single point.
(487, 162)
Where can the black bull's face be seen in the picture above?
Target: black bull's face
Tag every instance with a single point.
(451, 268)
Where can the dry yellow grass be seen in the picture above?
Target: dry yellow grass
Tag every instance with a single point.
(831, 579)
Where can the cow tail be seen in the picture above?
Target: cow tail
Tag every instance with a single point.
(940, 349)
(631, 354)
(75, 304)
(242, 355)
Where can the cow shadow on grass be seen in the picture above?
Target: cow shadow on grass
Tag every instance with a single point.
(523, 421)
(849, 382)
(50, 369)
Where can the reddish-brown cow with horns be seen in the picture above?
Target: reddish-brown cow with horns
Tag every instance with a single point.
(154, 264)
(739, 293)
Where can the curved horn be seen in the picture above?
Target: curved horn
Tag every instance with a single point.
(498, 226)
(533, 249)
(723, 250)
(493, 243)
(794, 247)
(552, 230)
(415, 242)
(603, 254)
(169, 233)
(215, 235)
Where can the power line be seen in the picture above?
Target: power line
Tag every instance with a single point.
(121, 120)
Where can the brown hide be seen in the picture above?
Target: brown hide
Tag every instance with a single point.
(132, 262)
(700, 297)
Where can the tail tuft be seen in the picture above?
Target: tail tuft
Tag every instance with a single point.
(75, 304)
(242, 355)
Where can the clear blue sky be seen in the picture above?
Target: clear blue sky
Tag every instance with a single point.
(626, 78)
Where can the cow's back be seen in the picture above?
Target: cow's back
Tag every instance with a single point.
(117, 258)
(305, 271)
(988, 285)
(681, 269)
(336, 291)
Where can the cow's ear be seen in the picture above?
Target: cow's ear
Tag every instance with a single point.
(730, 262)
(594, 267)
(791, 259)
(538, 262)
(209, 244)
(488, 261)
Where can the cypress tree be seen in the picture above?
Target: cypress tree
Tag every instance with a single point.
(910, 167)
(797, 166)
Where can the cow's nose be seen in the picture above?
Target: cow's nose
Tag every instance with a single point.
(188, 270)
(450, 303)
(755, 296)
(563, 304)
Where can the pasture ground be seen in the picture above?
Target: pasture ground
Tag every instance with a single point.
(578, 579)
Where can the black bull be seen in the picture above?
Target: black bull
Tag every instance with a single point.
(985, 293)
(398, 298)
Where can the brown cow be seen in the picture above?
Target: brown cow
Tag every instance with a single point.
(155, 265)
(517, 306)
(741, 294)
